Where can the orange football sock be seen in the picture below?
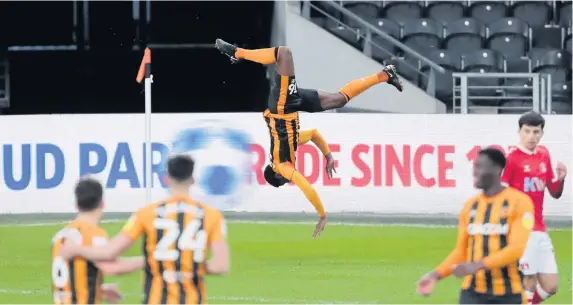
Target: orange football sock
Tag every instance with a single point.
(263, 56)
(357, 86)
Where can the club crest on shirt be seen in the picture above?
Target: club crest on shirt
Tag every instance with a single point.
(129, 224)
(526, 168)
(527, 221)
(542, 168)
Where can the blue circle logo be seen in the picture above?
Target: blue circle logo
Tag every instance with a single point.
(222, 157)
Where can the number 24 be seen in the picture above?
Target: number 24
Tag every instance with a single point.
(190, 239)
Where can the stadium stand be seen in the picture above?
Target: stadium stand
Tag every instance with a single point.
(524, 47)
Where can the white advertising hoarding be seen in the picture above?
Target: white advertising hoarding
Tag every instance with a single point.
(386, 163)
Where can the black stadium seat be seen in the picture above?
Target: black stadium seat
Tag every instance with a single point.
(464, 35)
(480, 36)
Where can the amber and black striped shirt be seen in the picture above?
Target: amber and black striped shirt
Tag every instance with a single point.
(176, 233)
(77, 281)
(493, 230)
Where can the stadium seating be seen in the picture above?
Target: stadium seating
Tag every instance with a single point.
(468, 36)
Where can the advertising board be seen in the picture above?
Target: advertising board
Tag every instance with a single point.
(385, 163)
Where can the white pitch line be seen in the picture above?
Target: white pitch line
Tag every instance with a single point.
(223, 298)
(278, 222)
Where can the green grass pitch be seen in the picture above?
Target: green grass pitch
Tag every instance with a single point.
(280, 263)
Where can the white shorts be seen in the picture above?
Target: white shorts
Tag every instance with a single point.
(539, 256)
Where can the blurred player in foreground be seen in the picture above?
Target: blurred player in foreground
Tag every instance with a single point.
(494, 226)
(285, 100)
(529, 170)
(176, 234)
(79, 281)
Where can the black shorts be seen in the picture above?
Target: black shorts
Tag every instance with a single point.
(472, 297)
(285, 97)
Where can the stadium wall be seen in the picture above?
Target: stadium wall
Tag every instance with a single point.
(324, 61)
(386, 163)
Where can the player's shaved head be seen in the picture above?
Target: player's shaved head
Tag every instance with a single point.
(273, 178)
(495, 156)
(531, 118)
(89, 194)
(180, 168)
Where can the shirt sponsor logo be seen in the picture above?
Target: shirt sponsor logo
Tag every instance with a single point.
(533, 184)
(488, 229)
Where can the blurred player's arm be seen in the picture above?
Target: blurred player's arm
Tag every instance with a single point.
(220, 261)
(118, 266)
(313, 135)
(289, 172)
(521, 225)
(459, 254)
(119, 244)
(555, 186)
(121, 265)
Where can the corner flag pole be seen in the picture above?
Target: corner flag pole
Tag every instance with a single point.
(145, 73)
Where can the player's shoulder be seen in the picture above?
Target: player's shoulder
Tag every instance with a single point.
(514, 154)
(210, 211)
(471, 201)
(514, 193)
(544, 152)
(149, 209)
(517, 197)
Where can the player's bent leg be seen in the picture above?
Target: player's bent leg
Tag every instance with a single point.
(547, 285)
(547, 277)
(282, 56)
(358, 86)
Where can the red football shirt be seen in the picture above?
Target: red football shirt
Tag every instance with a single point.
(530, 172)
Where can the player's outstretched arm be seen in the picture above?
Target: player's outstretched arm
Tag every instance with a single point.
(313, 135)
(519, 231)
(459, 254)
(121, 266)
(108, 252)
(426, 284)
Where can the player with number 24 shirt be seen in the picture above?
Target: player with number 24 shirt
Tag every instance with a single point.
(286, 99)
(177, 233)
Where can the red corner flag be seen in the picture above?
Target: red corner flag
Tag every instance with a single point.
(144, 66)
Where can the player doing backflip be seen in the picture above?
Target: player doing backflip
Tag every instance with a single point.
(284, 103)
(529, 170)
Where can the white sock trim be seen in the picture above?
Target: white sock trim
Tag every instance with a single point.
(542, 293)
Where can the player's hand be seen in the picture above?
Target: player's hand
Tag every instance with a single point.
(330, 170)
(426, 284)
(561, 171)
(110, 293)
(464, 269)
(319, 227)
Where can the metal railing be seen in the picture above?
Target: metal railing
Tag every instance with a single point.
(369, 43)
(535, 93)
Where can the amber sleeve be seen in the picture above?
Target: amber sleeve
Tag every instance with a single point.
(521, 225)
(313, 135)
(287, 171)
(459, 254)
